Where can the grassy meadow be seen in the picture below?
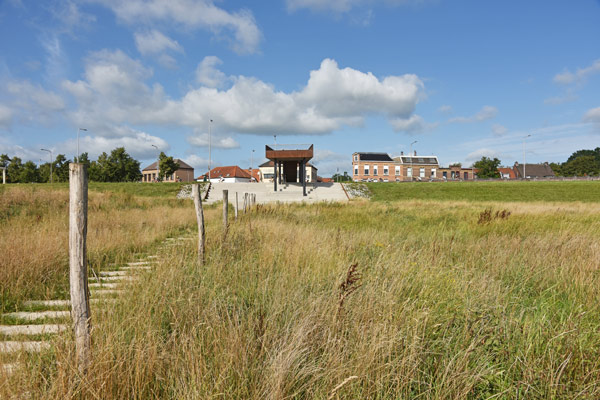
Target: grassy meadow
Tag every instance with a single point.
(415, 298)
(544, 191)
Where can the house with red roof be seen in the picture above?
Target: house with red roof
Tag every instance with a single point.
(229, 174)
(507, 173)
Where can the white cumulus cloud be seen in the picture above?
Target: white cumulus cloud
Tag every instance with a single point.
(203, 140)
(592, 115)
(155, 42)
(115, 91)
(486, 113)
(414, 124)
(239, 28)
(208, 74)
(579, 76)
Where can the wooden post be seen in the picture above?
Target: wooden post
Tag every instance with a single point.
(78, 277)
(200, 220)
(236, 205)
(245, 202)
(225, 209)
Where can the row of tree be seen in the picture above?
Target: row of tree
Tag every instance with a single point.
(580, 163)
(118, 166)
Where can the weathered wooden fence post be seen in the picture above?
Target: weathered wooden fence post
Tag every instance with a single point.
(245, 202)
(200, 220)
(78, 277)
(225, 209)
(236, 205)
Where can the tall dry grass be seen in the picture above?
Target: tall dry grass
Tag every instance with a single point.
(34, 232)
(437, 306)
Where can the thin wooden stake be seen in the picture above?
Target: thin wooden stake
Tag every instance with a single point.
(200, 220)
(225, 209)
(236, 205)
(245, 202)
(78, 277)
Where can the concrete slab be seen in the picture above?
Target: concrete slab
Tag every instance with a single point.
(116, 278)
(98, 285)
(47, 303)
(113, 273)
(138, 267)
(13, 346)
(9, 368)
(35, 315)
(11, 330)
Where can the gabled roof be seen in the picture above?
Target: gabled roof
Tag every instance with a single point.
(232, 171)
(374, 157)
(534, 170)
(422, 160)
(507, 171)
(182, 165)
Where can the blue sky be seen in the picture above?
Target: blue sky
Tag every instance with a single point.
(462, 78)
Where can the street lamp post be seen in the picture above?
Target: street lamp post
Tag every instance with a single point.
(49, 152)
(79, 130)
(157, 162)
(412, 173)
(251, 162)
(524, 161)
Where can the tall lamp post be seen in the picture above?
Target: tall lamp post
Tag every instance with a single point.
(79, 130)
(209, 145)
(524, 162)
(251, 162)
(412, 173)
(157, 162)
(50, 153)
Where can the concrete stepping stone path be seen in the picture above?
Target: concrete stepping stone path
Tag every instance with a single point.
(36, 315)
(11, 330)
(105, 284)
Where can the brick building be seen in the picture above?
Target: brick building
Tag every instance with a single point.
(380, 167)
(185, 173)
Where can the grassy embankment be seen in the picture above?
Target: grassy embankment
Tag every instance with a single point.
(586, 191)
(123, 219)
(442, 307)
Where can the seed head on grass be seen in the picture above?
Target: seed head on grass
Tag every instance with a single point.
(349, 285)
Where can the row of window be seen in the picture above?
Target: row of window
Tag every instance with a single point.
(409, 171)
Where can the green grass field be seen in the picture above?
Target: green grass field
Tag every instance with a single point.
(410, 299)
(585, 191)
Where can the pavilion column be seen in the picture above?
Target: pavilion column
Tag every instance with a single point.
(275, 167)
(304, 177)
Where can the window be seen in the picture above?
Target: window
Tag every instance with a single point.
(386, 170)
(422, 172)
(397, 170)
(366, 170)
(433, 172)
(356, 170)
(356, 157)
(445, 174)
(409, 172)
(375, 170)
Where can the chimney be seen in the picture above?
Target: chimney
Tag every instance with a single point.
(415, 154)
(516, 163)
(401, 153)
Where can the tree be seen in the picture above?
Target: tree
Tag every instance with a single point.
(342, 178)
(83, 159)
(581, 166)
(13, 170)
(487, 168)
(556, 168)
(166, 166)
(4, 160)
(116, 167)
(29, 173)
(60, 168)
(594, 153)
